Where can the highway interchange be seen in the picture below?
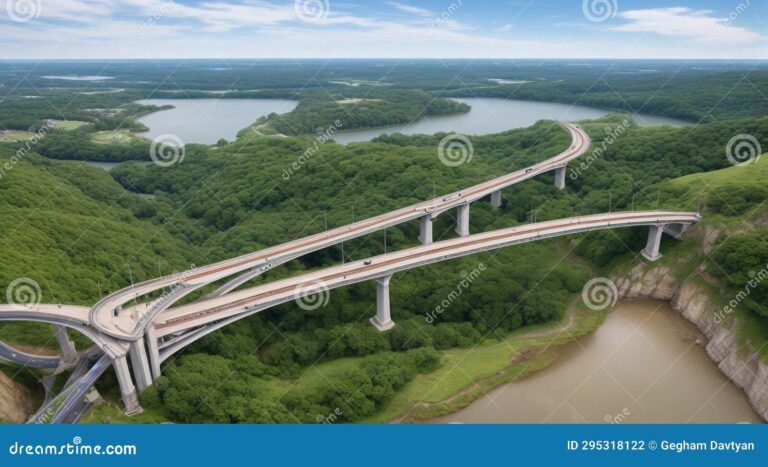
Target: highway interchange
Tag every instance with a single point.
(149, 331)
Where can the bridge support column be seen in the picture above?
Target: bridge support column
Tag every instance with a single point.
(496, 199)
(382, 320)
(127, 389)
(154, 353)
(138, 353)
(425, 236)
(651, 250)
(68, 350)
(560, 177)
(462, 220)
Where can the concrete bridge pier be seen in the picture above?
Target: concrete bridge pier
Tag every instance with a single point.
(462, 220)
(127, 389)
(154, 352)
(140, 361)
(560, 177)
(382, 320)
(425, 236)
(68, 350)
(651, 250)
(496, 199)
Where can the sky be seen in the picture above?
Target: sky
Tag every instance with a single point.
(189, 29)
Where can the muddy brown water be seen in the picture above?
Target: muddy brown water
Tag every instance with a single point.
(645, 364)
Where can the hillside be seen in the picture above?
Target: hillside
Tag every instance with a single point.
(237, 198)
(74, 232)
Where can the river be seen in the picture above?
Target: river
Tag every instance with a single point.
(645, 364)
(206, 121)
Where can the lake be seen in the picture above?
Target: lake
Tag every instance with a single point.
(645, 364)
(206, 121)
(494, 115)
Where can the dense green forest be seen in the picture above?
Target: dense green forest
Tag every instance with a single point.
(361, 109)
(637, 167)
(82, 233)
(206, 210)
(79, 145)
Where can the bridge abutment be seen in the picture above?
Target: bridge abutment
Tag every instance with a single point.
(496, 199)
(651, 250)
(382, 320)
(462, 220)
(560, 177)
(676, 230)
(425, 235)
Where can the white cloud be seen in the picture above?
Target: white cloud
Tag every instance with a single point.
(411, 9)
(257, 28)
(699, 25)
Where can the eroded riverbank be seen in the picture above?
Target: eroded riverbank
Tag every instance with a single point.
(645, 364)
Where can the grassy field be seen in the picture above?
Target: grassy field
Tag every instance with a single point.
(753, 173)
(122, 138)
(721, 186)
(68, 125)
(112, 412)
(15, 136)
(38, 335)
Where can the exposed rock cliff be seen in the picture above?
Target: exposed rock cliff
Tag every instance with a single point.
(744, 368)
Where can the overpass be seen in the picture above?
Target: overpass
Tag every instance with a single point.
(150, 332)
(179, 326)
(182, 325)
(132, 324)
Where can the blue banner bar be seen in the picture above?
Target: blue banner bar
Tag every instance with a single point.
(390, 445)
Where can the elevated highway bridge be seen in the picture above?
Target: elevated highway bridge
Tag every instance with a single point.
(137, 338)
